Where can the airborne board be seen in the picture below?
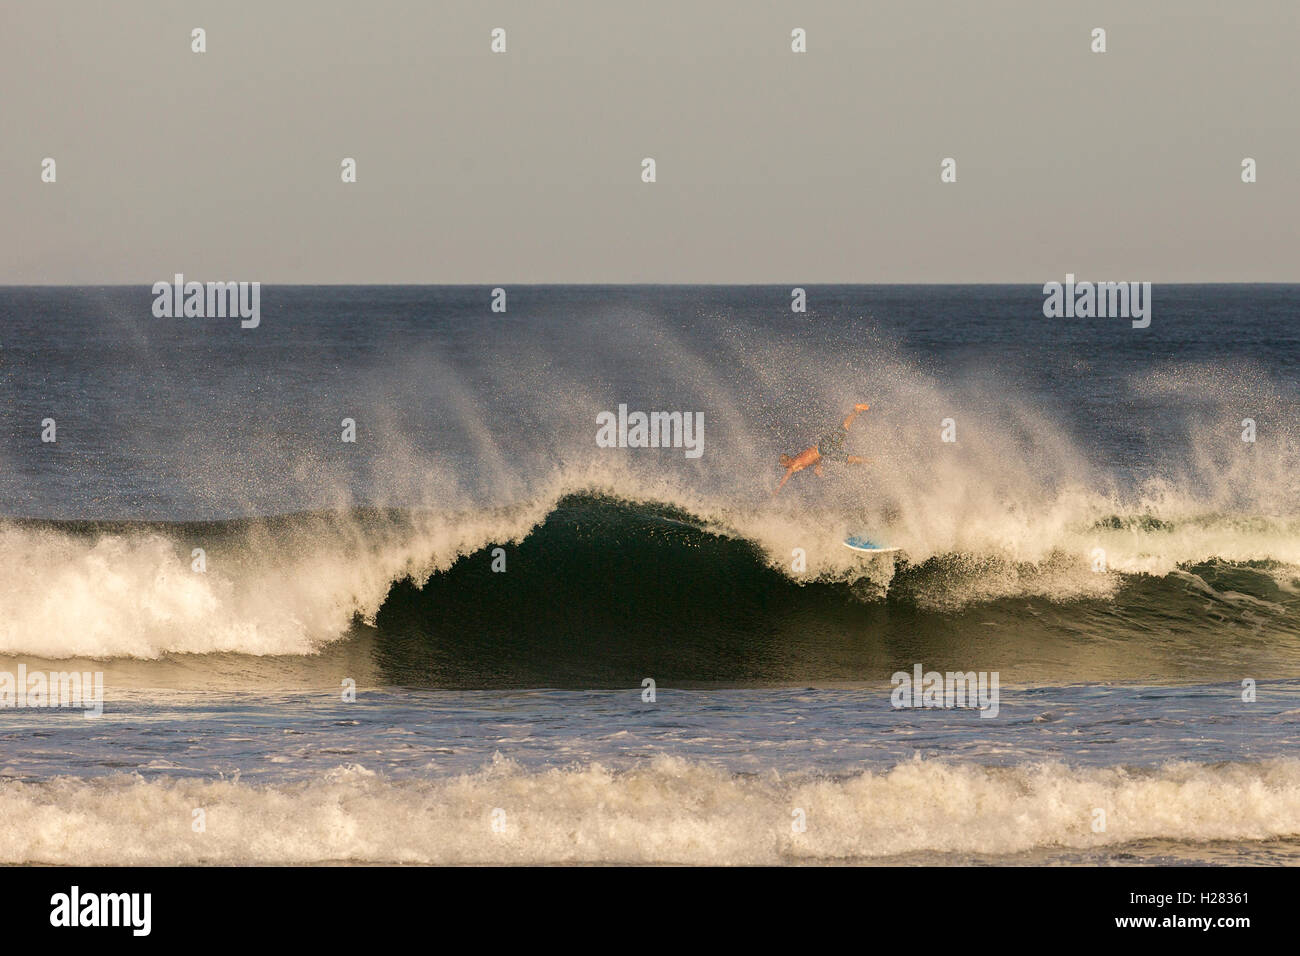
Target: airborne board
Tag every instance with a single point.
(867, 546)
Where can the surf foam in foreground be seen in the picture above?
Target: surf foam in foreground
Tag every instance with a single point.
(668, 811)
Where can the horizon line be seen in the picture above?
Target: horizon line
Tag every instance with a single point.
(603, 284)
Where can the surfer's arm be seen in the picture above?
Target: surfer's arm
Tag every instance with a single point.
(788, 473)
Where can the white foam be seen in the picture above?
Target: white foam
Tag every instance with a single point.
(667, 811)
(288, 589)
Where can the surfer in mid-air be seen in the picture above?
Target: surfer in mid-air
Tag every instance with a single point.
(830, 447)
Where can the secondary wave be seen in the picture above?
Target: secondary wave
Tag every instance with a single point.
(668, 811)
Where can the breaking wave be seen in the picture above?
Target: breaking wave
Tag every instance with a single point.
(607, 560)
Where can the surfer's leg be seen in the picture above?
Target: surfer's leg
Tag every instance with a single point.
(857, 410)
(856, 460)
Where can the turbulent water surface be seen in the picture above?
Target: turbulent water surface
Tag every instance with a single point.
(1099, 535)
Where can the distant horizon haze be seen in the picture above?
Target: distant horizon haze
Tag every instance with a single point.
(771, 166)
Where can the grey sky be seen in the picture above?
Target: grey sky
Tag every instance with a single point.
(772, 166)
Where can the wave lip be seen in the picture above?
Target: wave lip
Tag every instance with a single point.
(669, 810)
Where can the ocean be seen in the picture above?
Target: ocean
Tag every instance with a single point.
(477, 633)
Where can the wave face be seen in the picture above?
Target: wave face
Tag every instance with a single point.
(598, 591)
(602, 593)
(667, 811)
